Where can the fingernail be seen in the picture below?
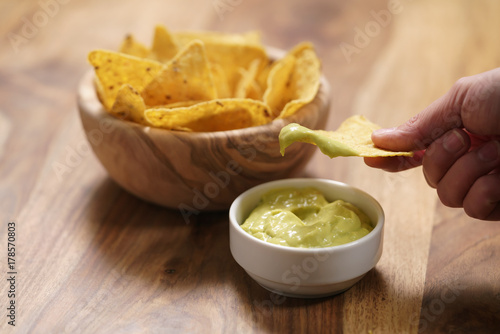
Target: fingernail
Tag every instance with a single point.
(381, 132)
(490, 151)
(453, 142)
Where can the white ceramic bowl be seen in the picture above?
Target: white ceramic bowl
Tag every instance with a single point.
(301, 272)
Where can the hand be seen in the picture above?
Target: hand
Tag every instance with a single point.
(457, 141)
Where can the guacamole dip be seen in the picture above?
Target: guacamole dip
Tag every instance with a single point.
(304, 218)
(352, 138)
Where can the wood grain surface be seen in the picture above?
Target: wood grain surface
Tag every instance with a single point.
(92, 258)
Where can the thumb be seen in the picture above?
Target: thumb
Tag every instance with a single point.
(421, 130)
(472, 103)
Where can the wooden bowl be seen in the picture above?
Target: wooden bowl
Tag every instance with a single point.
(194, 171)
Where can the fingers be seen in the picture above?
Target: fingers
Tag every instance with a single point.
(472, 103)
(483, 199)
(443, 153)
(480, 107)
(421, 130)
(459, 134)
(462, 176)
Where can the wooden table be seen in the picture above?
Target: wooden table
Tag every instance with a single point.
(91, 258)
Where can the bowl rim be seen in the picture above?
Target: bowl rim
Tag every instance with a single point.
(89, 102)
(235, 226)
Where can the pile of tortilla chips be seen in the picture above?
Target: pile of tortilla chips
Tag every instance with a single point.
(204, 81)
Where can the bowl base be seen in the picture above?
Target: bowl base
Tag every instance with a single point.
(305, 291)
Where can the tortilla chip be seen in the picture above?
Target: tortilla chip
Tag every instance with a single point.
(277, 94)
(115, 69)
(219, 79)
(129, 105)
(214, 115)
(180, 104)
(186, 77)
(352, 138)
(231, 51)
(293, 80)
(164, 47)
(234, 57)
(133, 48)
(263, 75)
(305, 78)
(247, 86)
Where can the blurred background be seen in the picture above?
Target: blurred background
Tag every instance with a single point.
(377, 55)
